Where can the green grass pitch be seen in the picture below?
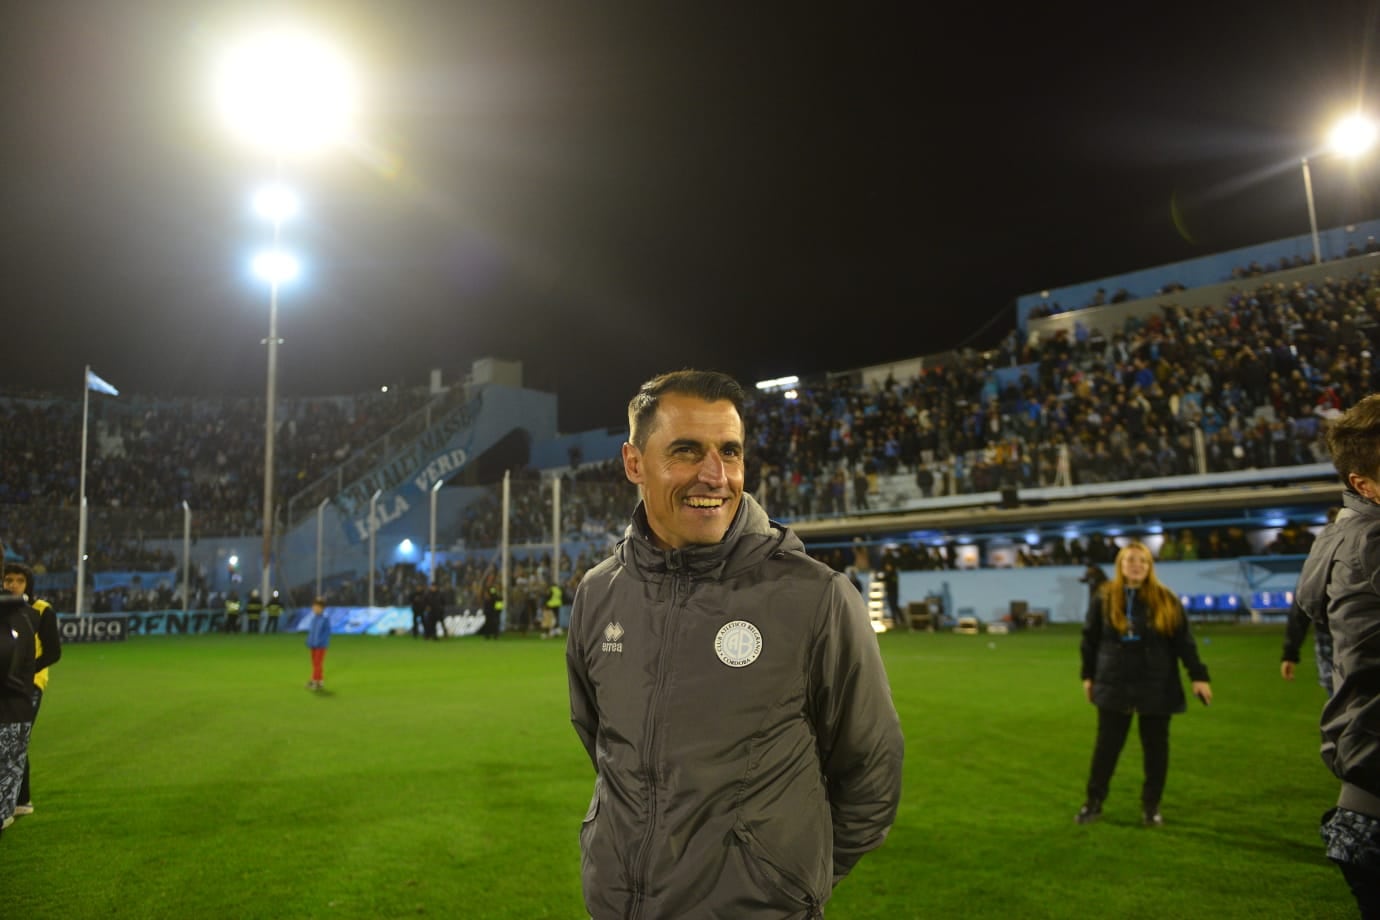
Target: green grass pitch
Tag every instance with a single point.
(190, 777)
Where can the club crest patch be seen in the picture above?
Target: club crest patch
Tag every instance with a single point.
(738, 644)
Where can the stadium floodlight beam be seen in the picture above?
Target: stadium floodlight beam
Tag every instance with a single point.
(1351, 137)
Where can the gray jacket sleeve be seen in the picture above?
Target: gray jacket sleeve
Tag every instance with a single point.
(584, 713)
(858, 731)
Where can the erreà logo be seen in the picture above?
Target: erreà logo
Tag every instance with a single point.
(612, 633)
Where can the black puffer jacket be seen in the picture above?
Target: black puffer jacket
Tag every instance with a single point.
(1138, 671)
(17, 651)
(733, 702)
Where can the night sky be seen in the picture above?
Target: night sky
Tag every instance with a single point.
(607, 190)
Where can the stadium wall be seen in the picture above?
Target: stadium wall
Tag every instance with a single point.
(988, 593)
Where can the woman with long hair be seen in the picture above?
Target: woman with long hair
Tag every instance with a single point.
(1134, 636)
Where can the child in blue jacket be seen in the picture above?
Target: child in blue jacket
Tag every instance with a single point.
(318, 640)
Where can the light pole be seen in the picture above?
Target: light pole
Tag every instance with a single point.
(276, 267)
(288, 92)
(1350, 137)
(435, 488)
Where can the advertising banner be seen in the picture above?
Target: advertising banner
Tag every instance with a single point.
(94, 627)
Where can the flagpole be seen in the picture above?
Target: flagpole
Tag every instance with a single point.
(81, 505)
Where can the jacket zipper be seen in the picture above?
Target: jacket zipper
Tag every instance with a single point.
(649, 749)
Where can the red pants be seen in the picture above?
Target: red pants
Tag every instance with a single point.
(318, 660)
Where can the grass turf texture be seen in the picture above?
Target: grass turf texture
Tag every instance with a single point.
(195, 777)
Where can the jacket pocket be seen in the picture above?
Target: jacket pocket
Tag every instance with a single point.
(591, 819)
(772, 871)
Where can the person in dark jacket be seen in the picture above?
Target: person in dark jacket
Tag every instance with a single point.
(1296, 630)
(252, 611)
(1134, 636)
(1339, 589)
(17, 645)
(728, 689)
(19, 579)
(435, 613)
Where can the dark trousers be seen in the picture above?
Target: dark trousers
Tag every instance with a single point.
(1365, 887)
(24, 792)
(1112, 728)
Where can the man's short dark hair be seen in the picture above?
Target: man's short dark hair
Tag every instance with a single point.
(1354, 439)
(710, 386)
(18, 568)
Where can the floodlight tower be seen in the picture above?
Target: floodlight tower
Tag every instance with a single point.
(1351, 137)
(288, 92)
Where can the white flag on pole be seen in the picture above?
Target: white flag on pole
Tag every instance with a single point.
(94, 382)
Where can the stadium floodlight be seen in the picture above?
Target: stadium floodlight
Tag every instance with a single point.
(275, 203)
(777, 383)
(286, 90)
(276, 267)
(1350, 137)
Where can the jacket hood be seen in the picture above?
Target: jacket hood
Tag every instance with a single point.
(1358, 504)
(751, 539)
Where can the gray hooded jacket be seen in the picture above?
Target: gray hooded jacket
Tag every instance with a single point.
(733, 702)
(1339, 589)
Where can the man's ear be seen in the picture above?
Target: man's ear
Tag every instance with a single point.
(632, 463)
(1362, 486)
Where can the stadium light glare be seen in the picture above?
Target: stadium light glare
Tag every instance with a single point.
(1352, 136)
(286, 90)
(275, 203)
(276, 266)
(405, 547)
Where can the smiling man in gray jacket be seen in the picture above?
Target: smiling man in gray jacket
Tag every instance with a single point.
(727, 687)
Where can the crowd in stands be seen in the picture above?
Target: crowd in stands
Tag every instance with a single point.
(1242, 384)
(596, 499)
(146, 456)
(1253, 377)
(1252, 269)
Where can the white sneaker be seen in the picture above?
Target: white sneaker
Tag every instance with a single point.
(24, 809)
(7, 822)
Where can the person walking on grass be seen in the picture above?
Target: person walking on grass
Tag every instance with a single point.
(318, 640)
(1134, 636)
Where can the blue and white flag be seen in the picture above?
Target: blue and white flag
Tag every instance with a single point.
(94, 382)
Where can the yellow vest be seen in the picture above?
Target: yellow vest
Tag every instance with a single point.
(40, 677)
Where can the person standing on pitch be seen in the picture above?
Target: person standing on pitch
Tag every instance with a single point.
(1134, 636)
(728, 689)
(318, 640)
(232, 613)
(1339, 589)
(273, 611)
(252, 611)
(17, 643)
(19, 579)
(1296, 630)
